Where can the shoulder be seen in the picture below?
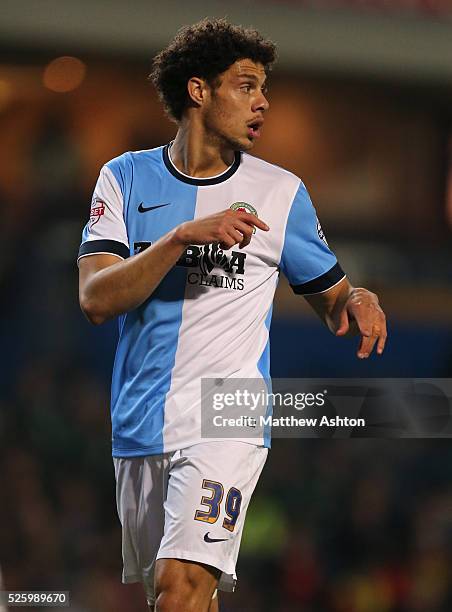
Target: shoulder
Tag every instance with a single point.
(125, 166)
(269, 173)
(277, 183)
(135, 158)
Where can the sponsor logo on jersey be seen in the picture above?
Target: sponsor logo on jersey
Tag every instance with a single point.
(209, 257)
(206, 258)
(97, 210)
(321, 233)
(215, 280)
(212, 256)
(245, 207)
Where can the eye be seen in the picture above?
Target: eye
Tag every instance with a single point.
(246, 88)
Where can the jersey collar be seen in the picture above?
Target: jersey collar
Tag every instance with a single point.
(191, 180)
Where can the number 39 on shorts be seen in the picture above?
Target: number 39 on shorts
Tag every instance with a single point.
(213, 503)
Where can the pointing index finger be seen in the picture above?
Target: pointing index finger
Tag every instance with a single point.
(253, 220)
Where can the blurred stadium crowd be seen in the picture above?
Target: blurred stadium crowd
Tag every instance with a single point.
(336, 525)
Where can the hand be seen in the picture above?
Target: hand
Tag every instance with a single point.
(362, 306)
(227, 227)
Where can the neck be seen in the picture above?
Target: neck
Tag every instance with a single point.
(196, 153)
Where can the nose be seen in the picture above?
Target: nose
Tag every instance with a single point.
(261, 104)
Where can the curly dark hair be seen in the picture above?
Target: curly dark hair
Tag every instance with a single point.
(205, 49)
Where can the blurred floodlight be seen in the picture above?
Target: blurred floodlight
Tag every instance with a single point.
(6, 91)
(64, 74)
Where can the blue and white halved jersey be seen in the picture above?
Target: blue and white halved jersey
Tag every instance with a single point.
(210, 315)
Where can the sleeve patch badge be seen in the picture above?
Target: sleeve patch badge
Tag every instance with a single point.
(97, 210)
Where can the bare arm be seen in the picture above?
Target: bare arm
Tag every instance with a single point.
(347, 310)
(109, 286)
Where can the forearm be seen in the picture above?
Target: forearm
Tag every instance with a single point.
(332, 309)
(329, 304)
(125, 285)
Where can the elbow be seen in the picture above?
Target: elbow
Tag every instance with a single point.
(92, 310)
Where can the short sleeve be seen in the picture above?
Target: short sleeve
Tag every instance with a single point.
(306, 260)
(105, 231)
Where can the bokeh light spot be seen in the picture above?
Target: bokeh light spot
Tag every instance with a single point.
(64, 74)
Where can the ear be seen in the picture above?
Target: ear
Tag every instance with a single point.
(197, 90)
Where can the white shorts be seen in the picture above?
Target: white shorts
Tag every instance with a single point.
(188, 504)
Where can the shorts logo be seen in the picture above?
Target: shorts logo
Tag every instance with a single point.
(97, 210)
(244, 207)
(209, 540)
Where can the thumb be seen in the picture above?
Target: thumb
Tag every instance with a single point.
(343, 323)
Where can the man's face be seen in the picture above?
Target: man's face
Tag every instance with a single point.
(234, 111)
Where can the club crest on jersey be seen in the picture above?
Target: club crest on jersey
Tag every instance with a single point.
(321, 233)
(97, 210)
(245, 207)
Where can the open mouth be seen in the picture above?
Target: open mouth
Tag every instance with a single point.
(254, 129)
